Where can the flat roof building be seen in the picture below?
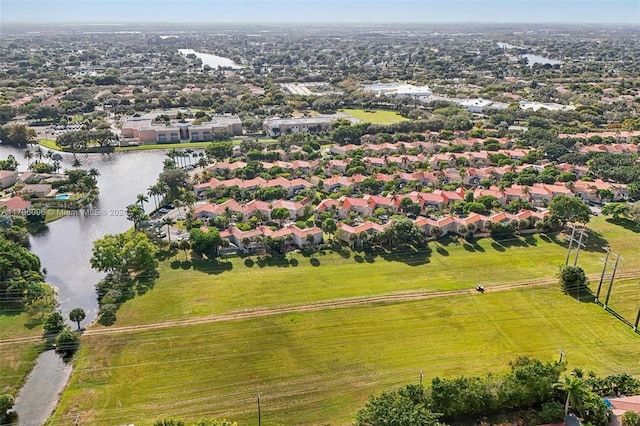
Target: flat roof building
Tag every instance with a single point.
(142, 130)
(276, 126)
(398, 90)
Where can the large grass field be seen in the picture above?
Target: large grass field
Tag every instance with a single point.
(319, 367)
(375, 117)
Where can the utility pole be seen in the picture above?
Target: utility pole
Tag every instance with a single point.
(635, 325)
(576, 240)
(561, 355)
(259, 416)
(421, 375)
(604, 268)
(77, 421)
(573, 231)
(613, 274)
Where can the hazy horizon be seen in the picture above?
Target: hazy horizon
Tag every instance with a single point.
(320, 11)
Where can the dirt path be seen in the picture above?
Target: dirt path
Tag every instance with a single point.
(320, 306)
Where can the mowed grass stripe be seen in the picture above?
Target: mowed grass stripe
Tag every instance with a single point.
(319, 367)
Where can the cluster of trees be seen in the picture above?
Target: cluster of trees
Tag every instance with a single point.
(617, 210)
(66, 340)
(21, 277)
(123, 256)
(82, 139)
(9, 164)
(529, 385)
(17, 135)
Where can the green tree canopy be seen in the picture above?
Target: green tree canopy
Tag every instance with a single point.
(126, 252)
(405, 407)
(569, 209)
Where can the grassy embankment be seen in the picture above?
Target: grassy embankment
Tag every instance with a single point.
(375, 116)
(319, 367)
(50, 144)
(17, 359)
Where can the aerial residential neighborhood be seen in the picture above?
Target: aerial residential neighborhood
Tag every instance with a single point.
(219, 213)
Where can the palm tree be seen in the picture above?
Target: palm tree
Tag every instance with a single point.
(526, 191)
(57, 158)
(141, 198)
(168, 221)
(93, 172)
(39, 152)
(185, 245)
(153, 191)
(225, 243)
(28, 155)
(575, 390)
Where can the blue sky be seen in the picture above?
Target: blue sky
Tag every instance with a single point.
(320, 11)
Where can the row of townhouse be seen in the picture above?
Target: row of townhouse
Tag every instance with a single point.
(292, 186)
(244, 211)
(620, 136)
(301, 165)
(251, 240)
(617, 148)
(448, 224)
(538, 194)
(400, 147)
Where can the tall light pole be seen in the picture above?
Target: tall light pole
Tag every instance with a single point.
(561, 355)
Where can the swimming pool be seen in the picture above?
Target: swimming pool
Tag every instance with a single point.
(63, 197)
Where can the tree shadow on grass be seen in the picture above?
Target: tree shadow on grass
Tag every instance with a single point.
(11, 309)
(441, 250)
(625, 223)
(280, 261)
(596, 242)
(314, 262)
(210, 266)
(468, 247)
(165, 254)
(530, 240)
(143, 283)
(497, 246)
(410, 257)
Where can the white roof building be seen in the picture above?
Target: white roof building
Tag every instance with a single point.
(399, 90)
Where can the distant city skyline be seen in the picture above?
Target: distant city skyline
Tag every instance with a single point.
(320, 11)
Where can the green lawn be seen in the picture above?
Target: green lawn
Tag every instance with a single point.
(18, 358)
(49, 143)
(375, 117)
(164, 146)
(319, 367)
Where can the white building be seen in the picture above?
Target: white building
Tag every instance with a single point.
(276, 126)
(398, 90)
